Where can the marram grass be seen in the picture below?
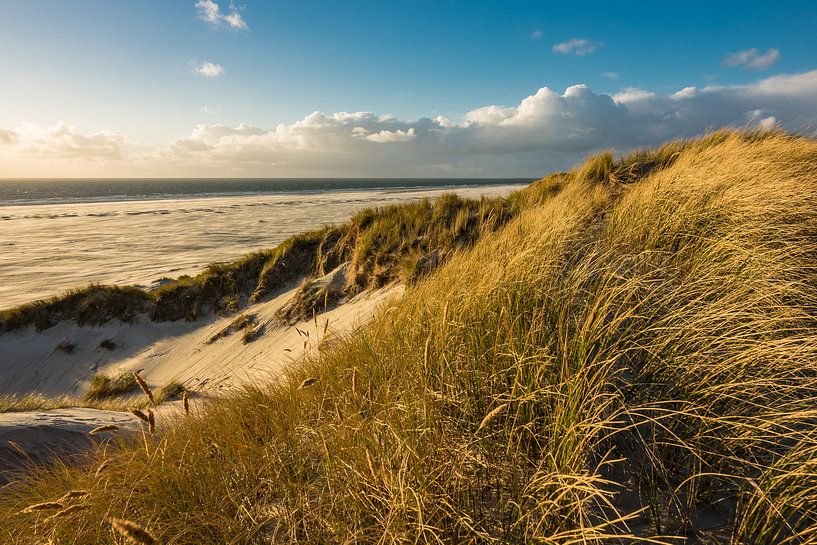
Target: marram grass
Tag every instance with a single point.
(631, 359)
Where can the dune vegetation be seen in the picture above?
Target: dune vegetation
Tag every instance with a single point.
(400, 242)
(626, 353)
(120, 392)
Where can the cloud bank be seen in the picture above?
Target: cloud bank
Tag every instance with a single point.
(545, 131)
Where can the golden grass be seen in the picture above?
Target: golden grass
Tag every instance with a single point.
(43, 506)
(144, 387)
(632, 357)
(133, 533)
(104, 393)
(103, 429)
(104, 387)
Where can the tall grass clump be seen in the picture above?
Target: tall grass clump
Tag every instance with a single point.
(621, 363)
(104, 387)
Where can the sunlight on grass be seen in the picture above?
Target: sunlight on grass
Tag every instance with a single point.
(631, 356)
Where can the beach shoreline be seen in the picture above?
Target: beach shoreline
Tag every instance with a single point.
(48, 249)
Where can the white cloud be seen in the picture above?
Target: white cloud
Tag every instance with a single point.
(752, 59)
(545, 124)
(209, 69)
(611, 75)
(632, 95)
(545, 131)
(536, 34)
(210, 12)
(576, 46)
(64, 141)
(385, 137)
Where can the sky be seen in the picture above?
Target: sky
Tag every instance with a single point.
(397, 88)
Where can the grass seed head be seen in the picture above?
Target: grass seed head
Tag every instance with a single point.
(67, 512)
(44, 506)
(133, 533)
(103, 429)
(73, 494)
(491, 416)
(144, 386)
(307, 383)
(139, 414)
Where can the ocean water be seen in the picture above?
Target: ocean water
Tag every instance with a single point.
(61, 234)
(63, 191)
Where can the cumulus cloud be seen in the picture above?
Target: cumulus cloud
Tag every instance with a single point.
(631, 95)
(385, 137)
(547, 130)
(611, 75)
(536, 34)
(547, 123)
(210, 12)
(576, 46)
(209, 69)
(752, 59)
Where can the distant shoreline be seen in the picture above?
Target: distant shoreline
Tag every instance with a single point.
(49, 248)
(34, 192)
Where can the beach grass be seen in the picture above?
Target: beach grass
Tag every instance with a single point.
(111, 393)
(631, 357)
(40, 402)
(103, 386)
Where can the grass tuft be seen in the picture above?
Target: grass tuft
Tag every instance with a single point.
(104, 387)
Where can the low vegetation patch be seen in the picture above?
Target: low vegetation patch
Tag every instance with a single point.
(94, 305)
(105, 387)
(240, 323)
(66, 347)
(171, 390)
(252, 333)
(39, 402)
(108, 344)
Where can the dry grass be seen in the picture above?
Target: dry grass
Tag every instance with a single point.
(172, 389)
(39, 402)
(104, 387)
(93, 305)
(105, 393)
(621, 362)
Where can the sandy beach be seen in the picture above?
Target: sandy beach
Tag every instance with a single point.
(47, 249)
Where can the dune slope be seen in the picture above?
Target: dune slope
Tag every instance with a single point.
(631, 358)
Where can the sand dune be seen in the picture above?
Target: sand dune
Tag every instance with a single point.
(161, 352)
(197, 354)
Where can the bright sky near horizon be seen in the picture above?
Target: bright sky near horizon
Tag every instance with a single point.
(193, 88)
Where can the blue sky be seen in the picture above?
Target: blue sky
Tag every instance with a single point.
(116, 88)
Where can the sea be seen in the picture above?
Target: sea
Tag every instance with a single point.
(56, 235)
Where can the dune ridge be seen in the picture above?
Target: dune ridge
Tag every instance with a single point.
(630, 357)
